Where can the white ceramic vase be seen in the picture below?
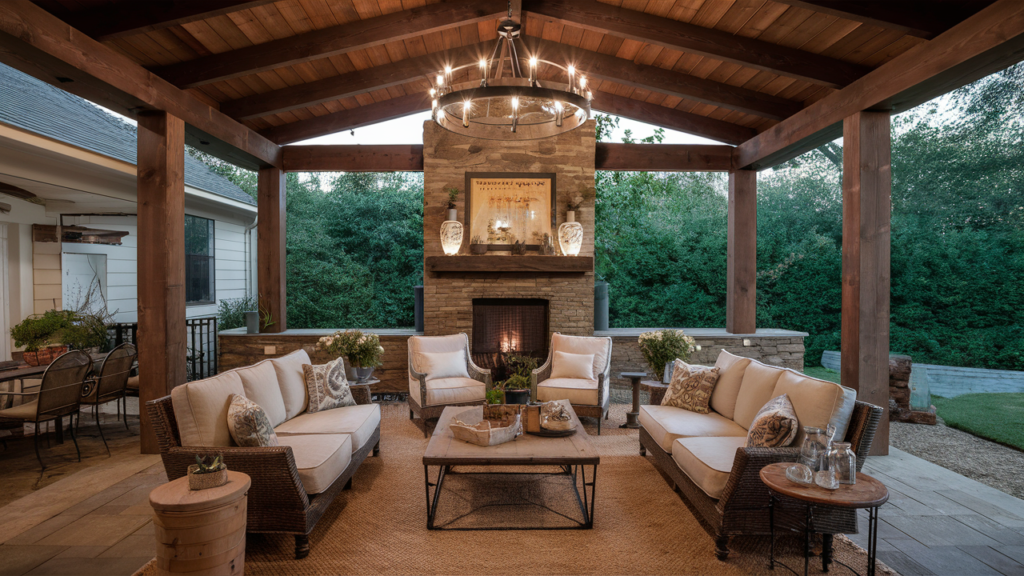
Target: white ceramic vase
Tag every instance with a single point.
(570, 235)
(451, 234)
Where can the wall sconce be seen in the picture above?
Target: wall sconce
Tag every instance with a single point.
(746, 341)
(698, 348)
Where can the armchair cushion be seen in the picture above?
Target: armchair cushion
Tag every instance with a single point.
(756, 389)
(359, 422)
(707, 461)
(576, 390)
(599, 347)
(260, 384)
(320, 458)
(292, 382)
(248, 424)
(438, 365)
(26, 411)
(817, 403)
(569, 365)
(730, 374)
(448, 391)
(201, 409)
(450, 343)
(666, 424)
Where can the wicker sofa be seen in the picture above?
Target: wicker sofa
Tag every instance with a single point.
(293, 483)
(707, 458)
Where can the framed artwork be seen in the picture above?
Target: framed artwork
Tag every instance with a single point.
(503, 208)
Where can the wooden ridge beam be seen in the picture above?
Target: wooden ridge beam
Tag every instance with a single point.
(331, 41)
(348, 119)
(985, 43)
(671, 118)
(663, 157)
(351, 84)
(107, 24)
(40, 45)
(675, 35)
(655, 79)
(354, 158)
(921, 18)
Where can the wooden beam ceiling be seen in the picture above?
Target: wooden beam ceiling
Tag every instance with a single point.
(664, 157)
(672, 118)
(921, 18)
(348, 119)
(387, 158)
(331, 41)
(985, 43)
(142, 17)
(676, 35)
(37, 43)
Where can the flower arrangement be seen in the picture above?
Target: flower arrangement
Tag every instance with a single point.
(362, 350)
(663, 346)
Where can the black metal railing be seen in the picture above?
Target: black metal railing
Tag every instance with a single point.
(200, 343)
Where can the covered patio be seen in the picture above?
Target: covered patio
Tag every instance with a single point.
(767, 79)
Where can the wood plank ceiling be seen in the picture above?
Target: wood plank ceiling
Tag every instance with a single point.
(296, 69)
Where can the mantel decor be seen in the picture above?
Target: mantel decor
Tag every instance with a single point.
(503, 208)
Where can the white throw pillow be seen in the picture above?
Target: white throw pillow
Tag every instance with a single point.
(442, 364)
(569, 365)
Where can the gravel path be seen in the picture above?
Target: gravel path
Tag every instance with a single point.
(993, 464)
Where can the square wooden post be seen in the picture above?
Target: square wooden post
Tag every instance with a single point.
(741, 266)
(270, 248)
(161, 262)
(867, 202)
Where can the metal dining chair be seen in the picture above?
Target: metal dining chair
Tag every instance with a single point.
(59, 395)
(110, 384)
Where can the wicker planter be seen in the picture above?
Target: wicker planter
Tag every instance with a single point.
(207, 480)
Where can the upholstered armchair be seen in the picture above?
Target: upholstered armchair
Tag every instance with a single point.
(568, 374)
(442, 373)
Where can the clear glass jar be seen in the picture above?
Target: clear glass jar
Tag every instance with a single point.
(813, 448)
(843, 461)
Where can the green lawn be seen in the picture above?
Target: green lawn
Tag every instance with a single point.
(822, 373)
(998, 417)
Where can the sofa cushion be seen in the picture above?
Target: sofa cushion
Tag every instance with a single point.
(691, 387)
(817, 403)
(248, 423)
(201, 409)
(730, 374)
(358, 421)
(756, 389)
(260, 384)
(448, 391)
(290, 379)
(667, 423)
(575, 390)
(320, 458)
(775, 425)
(601, 348)
(438, 365)
(707, 461)
(327, 386)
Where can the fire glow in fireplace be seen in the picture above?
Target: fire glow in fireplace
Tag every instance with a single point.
(503, 325)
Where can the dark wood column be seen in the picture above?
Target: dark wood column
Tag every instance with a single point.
(270, 249)
(161, 266)
(867, 191)
(741, 267)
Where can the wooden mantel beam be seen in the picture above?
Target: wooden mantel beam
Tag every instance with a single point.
(332, 41)
(921, 18)
(37, 43)
(142, 17)
(985, 43)
(676, 35)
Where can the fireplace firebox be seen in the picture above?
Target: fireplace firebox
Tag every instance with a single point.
(509, 325)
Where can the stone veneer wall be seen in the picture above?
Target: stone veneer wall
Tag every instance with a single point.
(447, 157)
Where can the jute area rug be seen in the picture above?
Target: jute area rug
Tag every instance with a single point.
(641, 526)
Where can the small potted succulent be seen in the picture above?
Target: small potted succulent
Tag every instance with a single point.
(203, 475)
(453, 197)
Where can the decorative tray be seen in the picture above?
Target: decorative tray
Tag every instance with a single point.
(553, 433)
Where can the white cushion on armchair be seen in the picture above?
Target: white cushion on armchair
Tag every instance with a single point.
(575, 390)
(423, 350)
(599, 347)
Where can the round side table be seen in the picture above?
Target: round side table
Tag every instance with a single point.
(633, 418)
(366, 386)
(866, 493)
(655, 390)
(200, 530)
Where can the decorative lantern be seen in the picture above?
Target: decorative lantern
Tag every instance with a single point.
(570, 235)
(451, 234)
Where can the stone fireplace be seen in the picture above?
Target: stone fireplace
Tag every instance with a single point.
(509, 325)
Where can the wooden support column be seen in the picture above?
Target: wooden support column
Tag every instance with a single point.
(161, 270)
(741, 266)
(867, 191)
(270, 249)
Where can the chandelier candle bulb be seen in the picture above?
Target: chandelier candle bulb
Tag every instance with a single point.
(533, 71)
(465, 113)
(559, 113)
(572, 79)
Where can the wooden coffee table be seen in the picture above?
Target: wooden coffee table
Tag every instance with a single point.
(571, 454)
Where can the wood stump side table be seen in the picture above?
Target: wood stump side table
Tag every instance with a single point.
(200, 530)
(866, 493)
(633, 418)
(655, 391)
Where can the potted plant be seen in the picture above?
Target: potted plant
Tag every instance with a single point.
(203, 475)
(363, 351)
(476, 246)
(85, 331)
(453, 197)
(661, 347)
(36, 332)
(517, 386)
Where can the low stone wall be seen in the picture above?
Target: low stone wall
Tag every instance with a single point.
(952, 381)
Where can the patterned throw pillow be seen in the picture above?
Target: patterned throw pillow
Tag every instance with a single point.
(775, 425)
(327, 385)
(691, 387)
(248, 423)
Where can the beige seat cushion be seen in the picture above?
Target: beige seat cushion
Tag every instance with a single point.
(201, 409)
(575, 390)
(291, 382)
(444, 391)
(730, 374)
(817, 403)
(260, 384)
(667, 423)
(433, 344)
(707, 461)
(601, 348)
(26, 411)
(320, 458)
(756, 390)
(358, 421)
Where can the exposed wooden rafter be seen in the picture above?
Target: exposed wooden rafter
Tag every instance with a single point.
(921, 18)
(149, 16)
(671, 118)
(676, 35)
(387, 158)
(331, 41)
(664, 157)
(348, 119)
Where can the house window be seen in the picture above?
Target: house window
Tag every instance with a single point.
(199, 261)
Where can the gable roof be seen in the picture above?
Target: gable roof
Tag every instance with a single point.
(36, 106)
